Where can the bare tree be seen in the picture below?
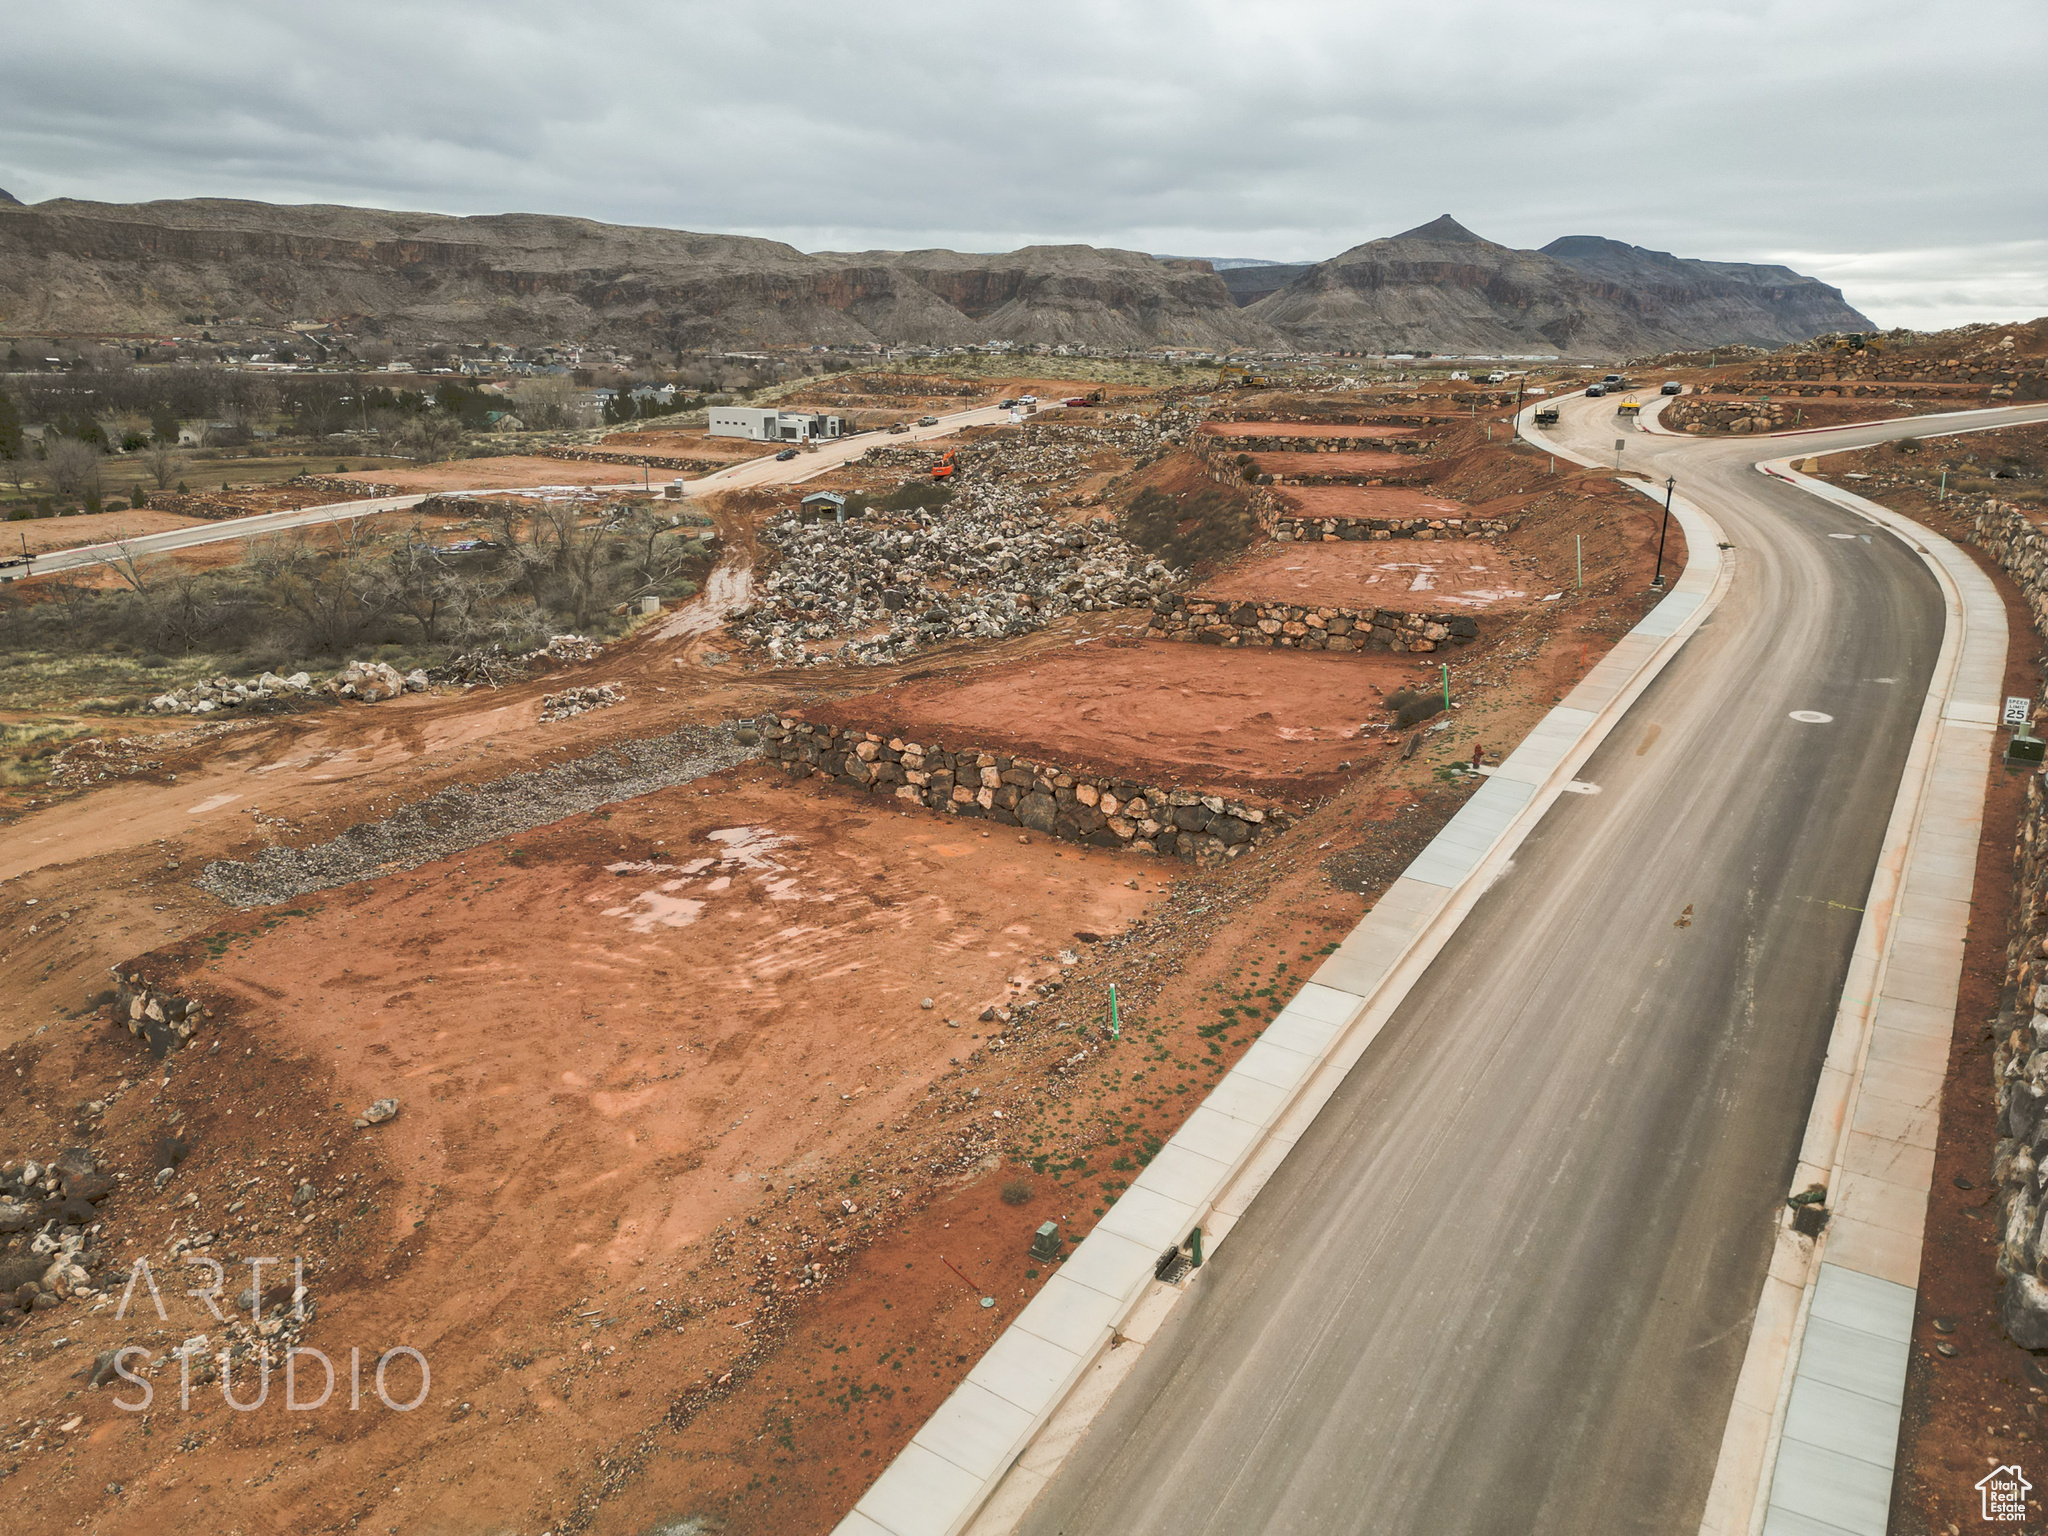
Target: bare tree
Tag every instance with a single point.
(551, 402)
(161, 465)
(73, 467)
(336, 594)
(429, 437)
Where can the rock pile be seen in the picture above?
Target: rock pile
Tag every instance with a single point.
(1218, 621)
(988, 564)
(58, 1202)
(579, 701)
(368, 681)
(228, 693)
(1096, 809)
(165, 1020)
(372, 681)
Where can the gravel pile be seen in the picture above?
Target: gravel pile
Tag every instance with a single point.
(464, 816)
(988, 564)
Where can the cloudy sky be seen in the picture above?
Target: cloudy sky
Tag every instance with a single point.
(1891, 148)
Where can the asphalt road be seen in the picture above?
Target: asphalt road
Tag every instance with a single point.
(766, 470)
(1505, 1283)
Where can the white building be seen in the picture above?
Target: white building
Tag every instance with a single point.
(770, 426)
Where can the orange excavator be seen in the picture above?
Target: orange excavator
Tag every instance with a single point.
(943, 470)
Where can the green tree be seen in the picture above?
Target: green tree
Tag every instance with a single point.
(10, 428)
(163, 424)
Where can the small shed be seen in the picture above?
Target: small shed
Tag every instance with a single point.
(822, 504)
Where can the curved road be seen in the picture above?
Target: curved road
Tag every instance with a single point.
(1504, 1284)
(765, 470)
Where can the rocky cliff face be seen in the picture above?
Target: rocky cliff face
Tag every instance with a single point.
(1730, 301)
(71, 268)
(1444, 288)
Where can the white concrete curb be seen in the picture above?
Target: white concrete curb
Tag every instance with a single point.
(1813, 1429)
(1234, 1141)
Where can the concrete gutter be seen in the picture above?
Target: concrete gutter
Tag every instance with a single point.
(1812, 1434)
(1000, 1437)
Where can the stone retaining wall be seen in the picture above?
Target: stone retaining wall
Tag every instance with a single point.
(1223, 621)
(639, 460)
(1099, 810)
(1367, 529)
(2020, 1060)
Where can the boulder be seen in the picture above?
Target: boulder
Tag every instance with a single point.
(2023, 1309)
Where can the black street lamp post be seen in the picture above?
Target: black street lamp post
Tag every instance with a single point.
(1670, 485)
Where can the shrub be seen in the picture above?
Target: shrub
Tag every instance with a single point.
(1016, 1191)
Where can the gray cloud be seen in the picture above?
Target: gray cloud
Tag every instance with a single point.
(1893, 141)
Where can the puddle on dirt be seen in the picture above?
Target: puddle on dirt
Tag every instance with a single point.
(746, 850)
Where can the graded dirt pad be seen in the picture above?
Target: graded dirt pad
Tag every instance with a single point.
(1351, 501)
(500, 474)
(1273, 723)
(608, 1037)
(1304, 429)
(682, 443)
(1407, 575)
(46, 533)
(1284, 465)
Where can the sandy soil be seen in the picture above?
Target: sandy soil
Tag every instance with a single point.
(1407, 575)
(45, 533)
(499, 474)
(1267, 722)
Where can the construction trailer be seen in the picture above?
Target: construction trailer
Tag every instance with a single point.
(765, 425)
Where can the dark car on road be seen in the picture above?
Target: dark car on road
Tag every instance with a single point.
(1595, 391)
(787, 453)
(1672, 387)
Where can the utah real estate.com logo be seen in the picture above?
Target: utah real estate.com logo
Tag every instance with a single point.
(2004, 1491)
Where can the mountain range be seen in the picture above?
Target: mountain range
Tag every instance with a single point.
(78, 268)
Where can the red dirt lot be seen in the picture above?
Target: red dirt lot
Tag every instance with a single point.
(1370, 500)
(1270, 722)
(1407, 575)
(1283, 465)
(499, 474)
(1304, 429)
(45, 533)
(609, 1036)
(690, 443)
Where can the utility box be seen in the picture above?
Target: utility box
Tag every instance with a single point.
(2024, 749)
(1045, 1242)
(650, 605)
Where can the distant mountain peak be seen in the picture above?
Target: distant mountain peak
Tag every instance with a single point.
(1443, 231)
(10, 199)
